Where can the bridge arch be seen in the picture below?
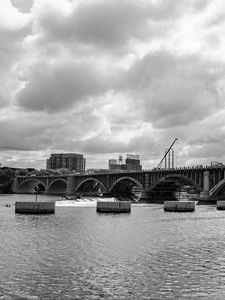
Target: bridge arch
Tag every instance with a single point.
(180, 179)
(136, 182)
(28, 186)
(217, 189)
(91, 186)
(127, 187)
(57, 187)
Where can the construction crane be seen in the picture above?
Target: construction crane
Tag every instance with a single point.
(167, 151)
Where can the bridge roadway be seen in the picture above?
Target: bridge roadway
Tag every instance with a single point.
(208, 181)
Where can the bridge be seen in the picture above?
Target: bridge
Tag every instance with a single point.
(207, 181)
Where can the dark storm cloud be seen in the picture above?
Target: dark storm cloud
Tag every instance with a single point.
(112, 23)
(23, 5)
(59, 87)
(24, 134)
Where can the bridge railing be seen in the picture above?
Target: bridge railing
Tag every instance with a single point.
(207, 167)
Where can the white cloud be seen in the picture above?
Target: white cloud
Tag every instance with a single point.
(174, 90)
(112, 77)
(14, 26)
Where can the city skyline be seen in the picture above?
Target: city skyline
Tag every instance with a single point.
(107, 78)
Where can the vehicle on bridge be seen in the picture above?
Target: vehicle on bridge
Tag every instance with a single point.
(217, 164)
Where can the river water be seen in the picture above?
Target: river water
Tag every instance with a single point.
(77, 253)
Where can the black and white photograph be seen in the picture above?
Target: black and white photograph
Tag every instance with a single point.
(112, 149)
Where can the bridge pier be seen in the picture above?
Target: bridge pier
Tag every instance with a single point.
(15, 186)
(70, 189)
(205, 193)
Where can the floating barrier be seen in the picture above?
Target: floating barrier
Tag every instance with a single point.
(179, 206)
(220, 204)
(35, 207)
(113, 206)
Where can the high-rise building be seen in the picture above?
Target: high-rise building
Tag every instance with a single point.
(71, 161)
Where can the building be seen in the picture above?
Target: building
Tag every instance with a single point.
(132, 163)
(97, 171)
(115, 165)
(72, 161)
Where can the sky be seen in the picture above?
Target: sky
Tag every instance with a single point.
(108, 77)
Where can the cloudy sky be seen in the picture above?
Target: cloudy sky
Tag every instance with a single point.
(111, 77)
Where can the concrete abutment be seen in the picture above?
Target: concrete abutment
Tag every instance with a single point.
(205, 193)
(71, 186)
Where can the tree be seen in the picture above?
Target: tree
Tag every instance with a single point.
(6, 179)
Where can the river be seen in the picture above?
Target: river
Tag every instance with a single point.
(77, 253)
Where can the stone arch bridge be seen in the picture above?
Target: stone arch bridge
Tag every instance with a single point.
(208, 181)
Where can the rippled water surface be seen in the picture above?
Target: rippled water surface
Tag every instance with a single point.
(80, 254)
